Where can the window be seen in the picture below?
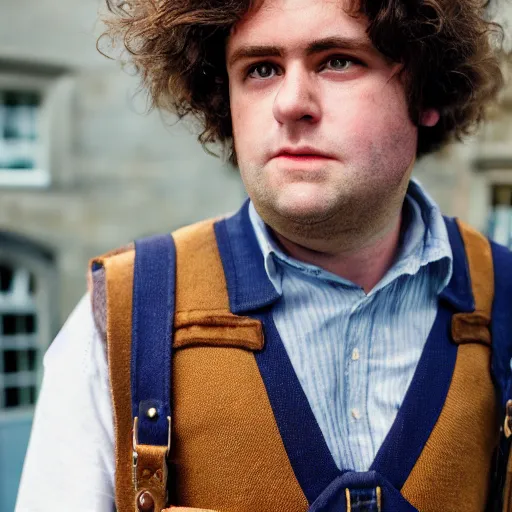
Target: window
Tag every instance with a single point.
(19, 344)
(500, 220)
(23, 130)
(19, 137)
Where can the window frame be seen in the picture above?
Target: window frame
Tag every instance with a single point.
(40, 176)
(26, 255)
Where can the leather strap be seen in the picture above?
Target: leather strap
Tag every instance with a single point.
(151, 354)
(471, 327)
(152, 326)
(118, 275)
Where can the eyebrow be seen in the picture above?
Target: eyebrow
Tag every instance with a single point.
(318, 46)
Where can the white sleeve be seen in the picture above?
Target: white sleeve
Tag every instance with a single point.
(70, 459)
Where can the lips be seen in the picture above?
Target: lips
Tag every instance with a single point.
(301, 152)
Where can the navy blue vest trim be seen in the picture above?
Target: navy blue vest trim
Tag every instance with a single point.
(501, 329)
(307, 451)
(362, 494)
(248, 284)
(422, 404)
(152, 324)
(501, 324)
(314, 467)
(425, 397)
(458, 292)
(305, 445)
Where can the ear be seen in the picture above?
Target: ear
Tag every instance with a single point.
(430, 117)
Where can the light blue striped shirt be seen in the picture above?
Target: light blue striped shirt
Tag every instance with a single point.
(355, 354)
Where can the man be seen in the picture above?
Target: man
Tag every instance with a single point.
(325, 106)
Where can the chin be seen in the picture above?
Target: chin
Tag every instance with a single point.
(304, 210)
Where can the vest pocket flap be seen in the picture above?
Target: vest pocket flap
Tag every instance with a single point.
(471, 328)
(187, 509)
(217, 328)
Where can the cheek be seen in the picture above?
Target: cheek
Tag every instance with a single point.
(378, 122)
(251, 125)
(240, 116)
(235, 109)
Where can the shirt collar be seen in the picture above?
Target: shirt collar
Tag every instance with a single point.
(424, 240)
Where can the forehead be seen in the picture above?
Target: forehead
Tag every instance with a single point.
(293, 23)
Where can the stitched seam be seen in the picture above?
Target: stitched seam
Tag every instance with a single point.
(170, 327)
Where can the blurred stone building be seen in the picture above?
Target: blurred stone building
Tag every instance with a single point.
(473, 180)
(82, 171)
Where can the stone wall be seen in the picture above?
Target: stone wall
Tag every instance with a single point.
(116, 173)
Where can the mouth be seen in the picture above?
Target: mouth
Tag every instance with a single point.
(302, 154)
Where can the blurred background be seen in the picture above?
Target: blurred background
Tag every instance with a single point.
(83, 170)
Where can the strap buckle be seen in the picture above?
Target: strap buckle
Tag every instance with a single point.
(135, 444)
(135, 438)
(378, 500)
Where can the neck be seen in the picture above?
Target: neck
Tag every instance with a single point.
(364, 264)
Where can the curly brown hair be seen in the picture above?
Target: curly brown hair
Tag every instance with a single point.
(450, 51)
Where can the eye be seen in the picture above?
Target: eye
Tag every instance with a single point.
(262, 71)
(340, 63)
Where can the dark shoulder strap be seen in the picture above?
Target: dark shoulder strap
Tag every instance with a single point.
(491, 275)
(487, 291)
(172, 309)
(501, 328)
(138, 286)
(501, 325)
(152, 327)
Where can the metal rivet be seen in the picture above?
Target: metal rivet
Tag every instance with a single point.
(507, 427)
(152, 413)
(145, 502)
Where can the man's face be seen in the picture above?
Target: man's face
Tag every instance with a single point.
(320, 120)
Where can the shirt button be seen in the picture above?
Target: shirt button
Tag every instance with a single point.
(355, 355)
(356, 414)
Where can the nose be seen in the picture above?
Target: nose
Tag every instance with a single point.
(297, 98)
